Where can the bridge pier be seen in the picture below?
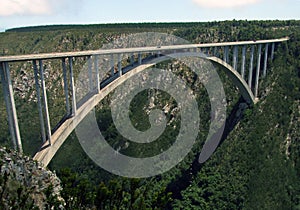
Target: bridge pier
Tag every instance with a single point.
(216, 50)
(120, 65)
(10, 106)
(139, 58)
(45, 101)
(257, 71)
(243, 61)
(90, 73)
(112, 65)
(132, 59)
(66, 89)
(40, 106)
(96, 64)
(272, 52)
(235, 57)
(265, 60)
(226, 54)
(206, 51)
(251, 67)
(74, 105)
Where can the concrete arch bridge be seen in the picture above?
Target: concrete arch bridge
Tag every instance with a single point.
(245, 62)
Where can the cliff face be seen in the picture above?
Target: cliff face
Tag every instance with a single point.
(24, 183)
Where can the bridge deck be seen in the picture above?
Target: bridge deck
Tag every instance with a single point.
(131, 50)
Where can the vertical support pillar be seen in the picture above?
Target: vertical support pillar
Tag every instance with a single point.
(112, 65)
(131, 59)
(120, 64)
(257, 71)
(235, 57)
(44, 96)
(96, 64)
(215, 51)
(224, 54)
(272, 52)
(10, 106)
(40, 107)
(139, 58)
(206, 51)
(66, 86)
(243, 61)
(227, 53)
(251, 67)
(265, 60)
(90, 72)
(74, 106)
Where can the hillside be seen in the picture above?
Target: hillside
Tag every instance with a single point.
(25, 184)
(257, 166)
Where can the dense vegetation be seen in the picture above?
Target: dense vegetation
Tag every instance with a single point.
(257, 166)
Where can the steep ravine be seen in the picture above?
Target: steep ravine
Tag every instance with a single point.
(187, 176)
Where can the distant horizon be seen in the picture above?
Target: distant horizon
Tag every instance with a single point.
(27, 13)
(142, 22)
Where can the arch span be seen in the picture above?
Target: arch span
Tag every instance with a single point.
(236, 78)
(47, 152)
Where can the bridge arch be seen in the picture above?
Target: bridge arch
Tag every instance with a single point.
(236, 78)
(47, 152)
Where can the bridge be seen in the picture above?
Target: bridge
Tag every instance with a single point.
(237, 59)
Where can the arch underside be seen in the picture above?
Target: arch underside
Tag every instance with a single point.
(60, 135)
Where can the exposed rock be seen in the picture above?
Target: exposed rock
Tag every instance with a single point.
(23, 178)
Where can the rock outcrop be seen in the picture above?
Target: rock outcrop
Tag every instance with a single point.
(24, 183)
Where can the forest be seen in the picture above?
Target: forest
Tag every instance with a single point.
(256, 166)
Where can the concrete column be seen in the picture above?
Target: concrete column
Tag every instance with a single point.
(112, 65)
(224, 54)
(74, 105)
(206, 51)
(45, 102)
(216, 52)
(10, 106)
(140, 58)
(96, 64)
(131, 59)
(158, 53)
(257, 71)
(265, 60)
(243, 62)
(235, 57)
(40, 107)
(120, 64)
(90, 70)
(272, 52)
(251, 67)
(227, 54)
(66, 86)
